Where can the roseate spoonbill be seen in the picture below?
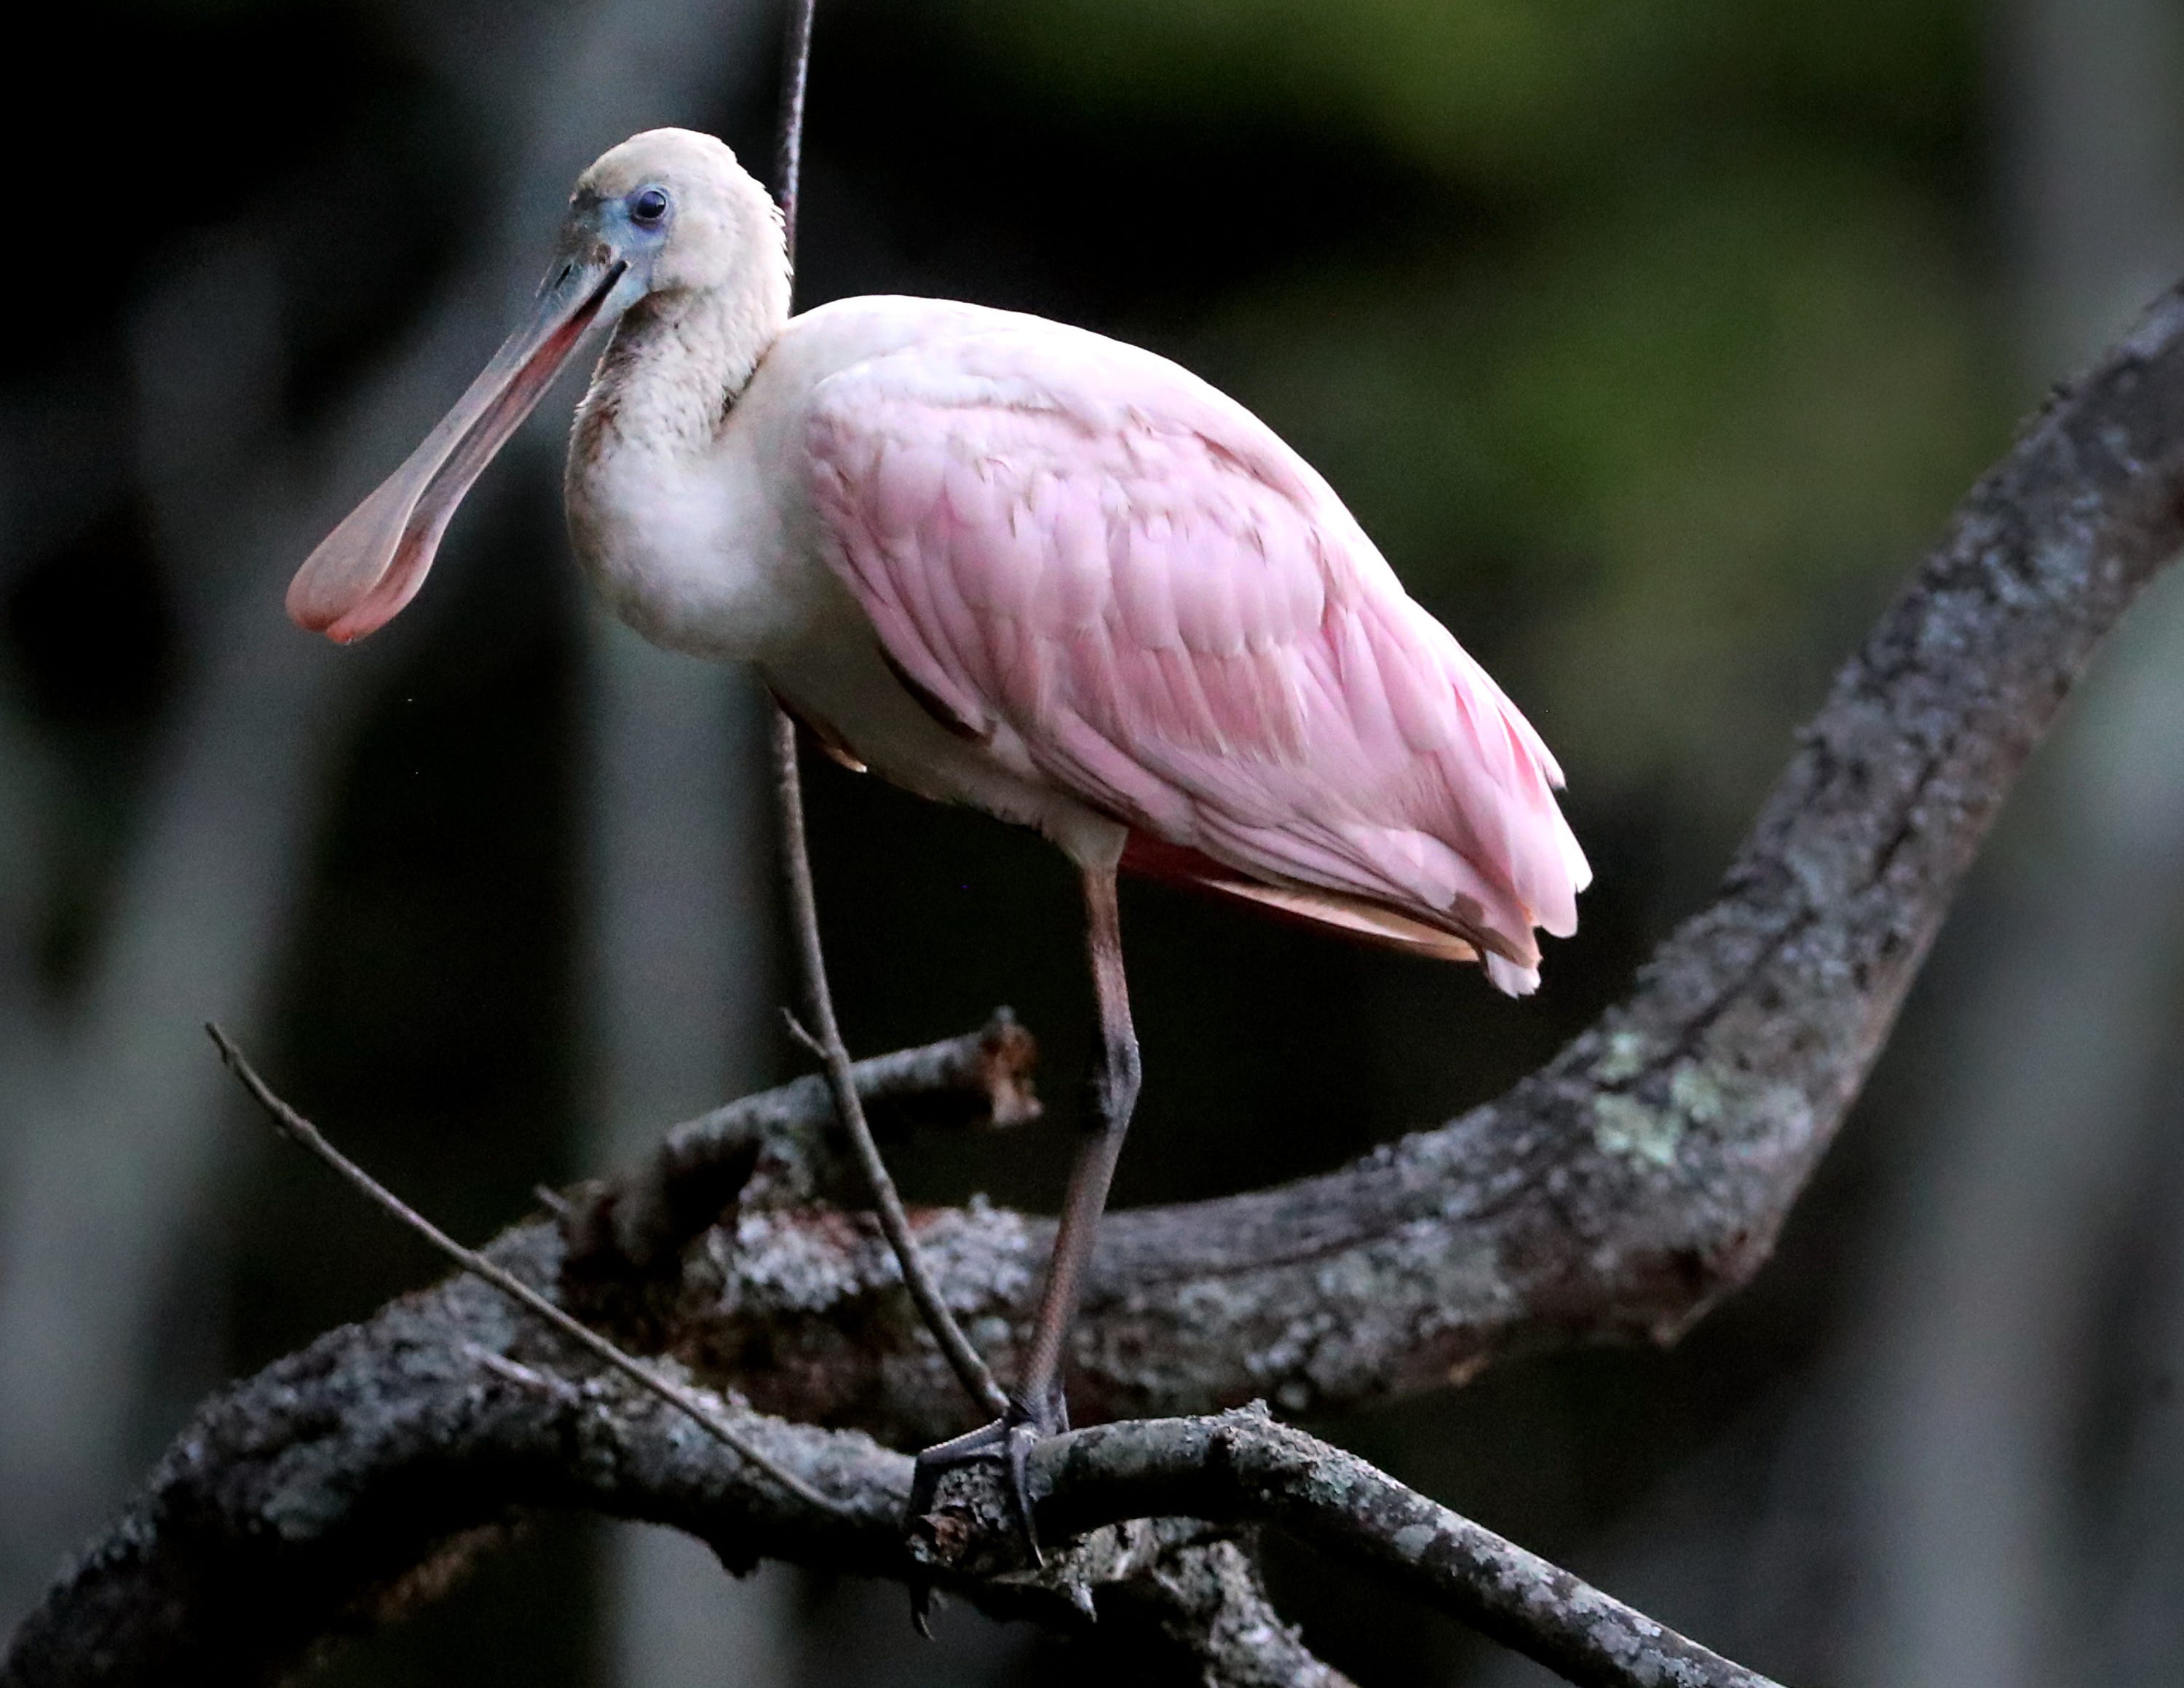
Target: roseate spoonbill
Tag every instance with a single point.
(1004, 562)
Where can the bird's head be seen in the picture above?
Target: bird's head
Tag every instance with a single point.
(665, 214)
(677, 209)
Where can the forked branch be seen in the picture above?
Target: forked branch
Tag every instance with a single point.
(1101, 1489)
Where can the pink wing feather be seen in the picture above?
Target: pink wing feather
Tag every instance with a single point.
(1131, 588)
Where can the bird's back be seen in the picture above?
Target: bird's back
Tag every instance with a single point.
(1117, 580)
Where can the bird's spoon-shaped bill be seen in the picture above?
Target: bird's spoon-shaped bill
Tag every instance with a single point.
(365, 571)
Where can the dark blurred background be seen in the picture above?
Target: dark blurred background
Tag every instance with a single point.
(1652, 342)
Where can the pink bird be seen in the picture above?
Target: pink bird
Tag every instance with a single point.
(1004, 562)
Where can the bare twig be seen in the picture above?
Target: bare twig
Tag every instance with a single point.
(970, 1370)
(795, 78)
(515, 1371)
(824, 1037)
(301, 1132)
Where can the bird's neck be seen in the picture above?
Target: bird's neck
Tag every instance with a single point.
(673, 370)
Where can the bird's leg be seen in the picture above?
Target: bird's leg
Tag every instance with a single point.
(1113, 1087)
(1037, 1408)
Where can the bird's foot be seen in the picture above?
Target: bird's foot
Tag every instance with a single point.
(942, 1532)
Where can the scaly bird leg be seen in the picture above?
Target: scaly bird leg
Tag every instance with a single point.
(1113, 1094)
(1037, 1408)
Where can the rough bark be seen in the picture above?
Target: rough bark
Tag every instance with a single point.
(790, 1139)
(1618, 1191)
(353, 1479)
(1243, 1465)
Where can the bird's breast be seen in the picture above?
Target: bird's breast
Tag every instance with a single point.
(718, 557)
(686, 549)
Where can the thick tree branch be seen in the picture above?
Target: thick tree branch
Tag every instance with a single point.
(1243, 1465)
(335, 1489)
(317, 1497)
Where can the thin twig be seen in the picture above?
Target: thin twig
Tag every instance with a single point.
(825, 1036)
(300, 1130)
(788, 158)
(514, 1372)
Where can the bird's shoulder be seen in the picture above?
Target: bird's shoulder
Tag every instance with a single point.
(979, 381)
(1056, 479)
(995, 446)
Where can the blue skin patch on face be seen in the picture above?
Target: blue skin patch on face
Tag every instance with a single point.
(616, 239)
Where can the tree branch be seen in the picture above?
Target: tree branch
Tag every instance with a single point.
(303, 1502)
(1243, 1465)
(1209, 1601)
(342, 1485)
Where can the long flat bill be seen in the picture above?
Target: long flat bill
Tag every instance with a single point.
(365, 571)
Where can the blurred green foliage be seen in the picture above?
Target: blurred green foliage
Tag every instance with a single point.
(1513, 94)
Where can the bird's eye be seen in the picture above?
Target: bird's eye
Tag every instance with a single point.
(649, 205)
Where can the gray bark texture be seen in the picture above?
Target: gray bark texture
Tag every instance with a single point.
(1618, 1192)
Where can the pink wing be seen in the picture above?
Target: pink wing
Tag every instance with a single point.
(1129, 587)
